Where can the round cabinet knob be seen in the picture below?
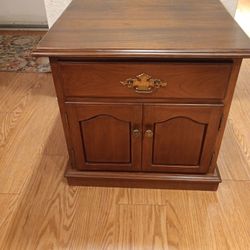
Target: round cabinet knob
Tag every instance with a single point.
(136, 132)
(149, 133)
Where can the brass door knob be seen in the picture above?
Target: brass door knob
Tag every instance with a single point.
(149, 133)
(136, 132)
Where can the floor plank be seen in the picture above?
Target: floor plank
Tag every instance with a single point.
(26, 91)
(25, 129)
(53, 215)
(44, 218)
(8, 206)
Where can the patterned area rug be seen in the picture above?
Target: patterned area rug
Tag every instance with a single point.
(15, 54)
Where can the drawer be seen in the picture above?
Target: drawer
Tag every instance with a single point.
(145, 80)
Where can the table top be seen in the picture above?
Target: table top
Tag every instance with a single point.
(145, 28)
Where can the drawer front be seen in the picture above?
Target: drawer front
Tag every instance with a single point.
(145, 80)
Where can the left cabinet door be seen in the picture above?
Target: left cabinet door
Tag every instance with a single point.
(105, 136)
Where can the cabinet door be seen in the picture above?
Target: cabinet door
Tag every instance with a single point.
(105, 136)
(179, 138)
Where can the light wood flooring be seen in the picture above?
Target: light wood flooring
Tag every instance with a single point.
(38, 210)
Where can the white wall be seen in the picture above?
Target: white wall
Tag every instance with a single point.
(54, 9)
(231, 6)
(22, 12)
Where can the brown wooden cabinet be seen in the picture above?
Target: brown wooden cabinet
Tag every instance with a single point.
(179, 138)
(105, 136)
(144, 90)
(169, 138)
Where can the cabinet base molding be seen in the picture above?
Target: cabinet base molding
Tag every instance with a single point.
(207, 182)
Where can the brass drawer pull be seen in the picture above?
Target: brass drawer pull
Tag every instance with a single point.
(136, 132)
(149, 133)
(143, 83)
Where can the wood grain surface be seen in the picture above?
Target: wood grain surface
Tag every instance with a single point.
(8, 204)
(196, 80)
(40, 211)
(145, 28)
(112, 148)
(208, 116)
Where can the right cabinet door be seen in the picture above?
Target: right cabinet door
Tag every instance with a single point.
(179, 138)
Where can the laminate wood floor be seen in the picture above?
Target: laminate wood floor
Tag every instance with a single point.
(38, 210)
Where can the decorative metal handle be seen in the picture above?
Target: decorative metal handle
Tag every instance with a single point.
(149, 133)
(143, 83)
(136, 132)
